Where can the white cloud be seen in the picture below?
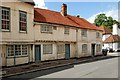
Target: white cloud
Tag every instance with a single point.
(40, 4)
(112, 13)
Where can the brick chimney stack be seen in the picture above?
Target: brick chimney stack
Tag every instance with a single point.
(64, 9)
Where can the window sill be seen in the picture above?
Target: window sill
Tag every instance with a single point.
(3, 30)
(47, 32)
(17, 56)
(98, 37)
(46, 53)
(66, 33)
(84, 36)
(23, 31)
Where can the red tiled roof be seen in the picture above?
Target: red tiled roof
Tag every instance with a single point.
(83, 23)
(105, 30)
(112, 39)
(48, 16)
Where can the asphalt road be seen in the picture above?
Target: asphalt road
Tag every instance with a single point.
(107, 68)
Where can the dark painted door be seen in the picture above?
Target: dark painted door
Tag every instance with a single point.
(37, 53)
(67, 51)
(93, 49)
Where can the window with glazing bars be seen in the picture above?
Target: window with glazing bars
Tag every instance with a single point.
(5, 18)
(22, 21)
(83, 33)
(84, 48)
(17, 49)
(66, 30)
(46, 28)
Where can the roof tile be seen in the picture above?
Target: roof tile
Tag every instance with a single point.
(112, 39)
(48, 16)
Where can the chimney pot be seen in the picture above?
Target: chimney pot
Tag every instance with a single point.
(78, 16)
(64, 9)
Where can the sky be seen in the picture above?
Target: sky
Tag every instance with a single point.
(87, 10)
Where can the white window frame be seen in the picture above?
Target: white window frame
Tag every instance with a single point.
(25, 53)
(15, 50)
(10, 50)
(83, 32)
(66, 30)
(84, 48)
(18, 52)
(47, 48)
(6, 19)
(98, 35)
(22, 21)
(46, 29)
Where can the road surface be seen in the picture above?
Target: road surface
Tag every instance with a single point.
(107, 68)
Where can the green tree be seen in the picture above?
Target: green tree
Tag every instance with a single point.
(103, 20)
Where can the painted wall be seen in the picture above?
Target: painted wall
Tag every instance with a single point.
(115, 46)
(115, 30)
(14, 34)
(105, 36)
(91, 38)
(54, 54)
(57, 35)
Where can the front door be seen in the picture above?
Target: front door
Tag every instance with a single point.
(67, 51)
(93, 49)
(37, 53)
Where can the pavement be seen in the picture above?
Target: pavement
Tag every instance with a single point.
(114, 54)
(53, 69)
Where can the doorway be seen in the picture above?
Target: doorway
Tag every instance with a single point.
(37, 53)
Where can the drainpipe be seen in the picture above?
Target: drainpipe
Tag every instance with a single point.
(76, 44)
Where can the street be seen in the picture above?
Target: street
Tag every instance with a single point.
(107, 68)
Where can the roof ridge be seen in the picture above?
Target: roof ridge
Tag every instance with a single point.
(47, 10)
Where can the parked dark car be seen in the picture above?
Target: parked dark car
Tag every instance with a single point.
(111, 50)
(104, 52)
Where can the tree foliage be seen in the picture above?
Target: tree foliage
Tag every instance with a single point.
(103, 20)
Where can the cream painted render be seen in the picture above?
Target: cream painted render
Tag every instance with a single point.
(14, 36)
(34, 37)
(90, 39)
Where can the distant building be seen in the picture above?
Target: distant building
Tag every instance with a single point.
(111, 38)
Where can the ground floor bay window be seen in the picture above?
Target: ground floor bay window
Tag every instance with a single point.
(17, 50)
(17, 54)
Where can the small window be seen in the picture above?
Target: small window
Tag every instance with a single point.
(98, 48)
(118, 45)
(60, 48)
(84, 48)
(23, 21)
(66, 30)
(54, 27)
(5, 19)
(47, 49)
(10, 50)
(97, 35)
(46, 28)
(84, 33)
